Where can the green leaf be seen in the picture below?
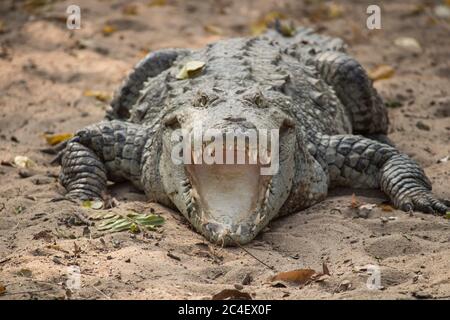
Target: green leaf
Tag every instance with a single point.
(134, 222)
(95, 204)
(447, 215)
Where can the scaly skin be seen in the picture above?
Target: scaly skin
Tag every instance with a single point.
(306, 86)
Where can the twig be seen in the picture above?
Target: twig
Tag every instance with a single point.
(5, 260)
(83, 219)
(251, 254)
(104, 294)
(24, 292)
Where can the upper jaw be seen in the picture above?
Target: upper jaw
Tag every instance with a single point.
(231, 204)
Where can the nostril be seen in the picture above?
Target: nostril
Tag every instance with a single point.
(287, 124)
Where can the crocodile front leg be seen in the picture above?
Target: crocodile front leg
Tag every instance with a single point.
(360, 162)
(109, 150)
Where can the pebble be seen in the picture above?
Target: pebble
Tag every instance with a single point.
(238, 286)
(422, 126)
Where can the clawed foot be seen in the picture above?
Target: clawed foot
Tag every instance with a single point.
(423, 201)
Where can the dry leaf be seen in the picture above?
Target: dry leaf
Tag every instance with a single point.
(325, 269)
(287, 29)
(23, 162)
(190, 70)
(442, 12)
(354, 203)
(385, 207)
(44, 235)
(2, 289)
(300, 276)
(231, 294)
(382, 71)
(57, 248)
(27, 273)
(109, 29)
(2, 26)
(76, 249)
(99, 95)
(334, 10)
(261, 24)
(326, 11)
(130, 10)
(36, 4)
(213, 29)
(157, 3)
(53, 139)
(408, 43)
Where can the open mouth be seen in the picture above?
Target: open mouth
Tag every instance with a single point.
(229, 199)
(230, 202)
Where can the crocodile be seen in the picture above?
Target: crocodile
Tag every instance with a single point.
(331, 123)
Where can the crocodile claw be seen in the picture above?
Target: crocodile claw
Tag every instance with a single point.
(424, 202)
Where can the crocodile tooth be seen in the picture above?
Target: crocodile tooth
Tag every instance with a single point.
(197, 155)
(267, 193)
(258, 218)
(313, 81)
(239, 230)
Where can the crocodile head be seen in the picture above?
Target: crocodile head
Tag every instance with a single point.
(227, 164)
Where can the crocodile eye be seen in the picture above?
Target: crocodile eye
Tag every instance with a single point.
(256, 98)
(202, 100)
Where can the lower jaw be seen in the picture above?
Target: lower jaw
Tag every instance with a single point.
(231, 203)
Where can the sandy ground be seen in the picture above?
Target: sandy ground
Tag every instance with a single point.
(44, 71)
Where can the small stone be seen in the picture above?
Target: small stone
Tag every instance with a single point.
(344, 285)
(409, 44)
(128, 260)
(422, 126)
(238, 286)
(365, 210)
(422, 295)
(278, 284)
(442, 11)
(25, 173)
(247, 279)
